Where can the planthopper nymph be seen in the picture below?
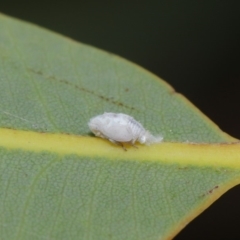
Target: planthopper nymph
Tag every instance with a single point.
(121, 128)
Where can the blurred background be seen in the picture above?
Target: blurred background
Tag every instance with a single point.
(193, 45)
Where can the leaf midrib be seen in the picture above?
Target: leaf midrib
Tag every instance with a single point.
(219, 155)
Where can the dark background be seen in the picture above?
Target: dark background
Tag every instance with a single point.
(193, 45)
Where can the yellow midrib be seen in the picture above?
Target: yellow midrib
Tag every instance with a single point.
(219, 155)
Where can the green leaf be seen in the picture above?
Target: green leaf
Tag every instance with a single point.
(58, 181)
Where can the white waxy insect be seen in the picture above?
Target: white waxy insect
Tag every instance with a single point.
(121, 128)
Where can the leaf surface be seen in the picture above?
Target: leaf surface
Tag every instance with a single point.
(57, 181)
